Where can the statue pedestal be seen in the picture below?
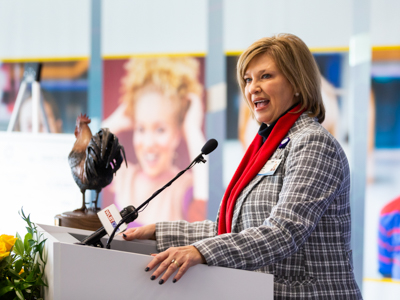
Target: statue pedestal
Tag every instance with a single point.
(87, 220)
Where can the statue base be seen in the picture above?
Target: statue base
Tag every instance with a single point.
(77, 219)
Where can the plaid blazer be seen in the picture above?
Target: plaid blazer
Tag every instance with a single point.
(294, 224)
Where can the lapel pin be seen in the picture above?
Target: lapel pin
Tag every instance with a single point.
(284, 142)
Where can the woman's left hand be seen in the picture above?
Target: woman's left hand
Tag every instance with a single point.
(174, 258)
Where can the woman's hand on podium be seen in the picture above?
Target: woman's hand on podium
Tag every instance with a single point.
(174, 258)
(147, 232)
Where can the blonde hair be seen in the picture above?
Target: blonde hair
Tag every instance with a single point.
(293, 58)
(173, 77)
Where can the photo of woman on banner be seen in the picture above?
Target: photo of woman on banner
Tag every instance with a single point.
(162, 104)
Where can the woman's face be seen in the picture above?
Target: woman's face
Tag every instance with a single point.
(267, 90)
(156, 133)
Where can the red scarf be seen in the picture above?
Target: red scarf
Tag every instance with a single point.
(254, 159)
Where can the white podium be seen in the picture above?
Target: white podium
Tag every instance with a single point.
(82, 272)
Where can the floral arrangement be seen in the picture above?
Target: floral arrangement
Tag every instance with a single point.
(22, 263)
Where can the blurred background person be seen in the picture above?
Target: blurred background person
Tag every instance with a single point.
(389, 240)
(162, 103)
(52, 115)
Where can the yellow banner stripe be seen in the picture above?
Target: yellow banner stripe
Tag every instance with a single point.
(196, 54)
(327, 49)
(74, 58)
(385, 280)
(42, 59)
(385, 48)
(234, 52)
(145, 55)
(314, 50)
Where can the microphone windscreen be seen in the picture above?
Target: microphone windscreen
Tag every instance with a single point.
(209, 146)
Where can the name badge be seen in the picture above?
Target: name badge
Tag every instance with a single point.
(270, 167)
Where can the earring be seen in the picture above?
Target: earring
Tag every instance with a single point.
(297, 94)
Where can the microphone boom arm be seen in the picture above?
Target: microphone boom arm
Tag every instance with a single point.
(134, 214)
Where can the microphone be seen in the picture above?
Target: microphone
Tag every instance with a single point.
(208, 147)
(95, 238)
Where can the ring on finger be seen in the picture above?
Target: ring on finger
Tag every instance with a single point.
(175, 262)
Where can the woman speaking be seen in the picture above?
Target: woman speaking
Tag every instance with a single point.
(286, 210)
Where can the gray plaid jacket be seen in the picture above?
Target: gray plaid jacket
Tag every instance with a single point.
(294, 224)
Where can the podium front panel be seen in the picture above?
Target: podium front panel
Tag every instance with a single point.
(83, 272)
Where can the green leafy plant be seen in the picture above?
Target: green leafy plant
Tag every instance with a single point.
(22, 263)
